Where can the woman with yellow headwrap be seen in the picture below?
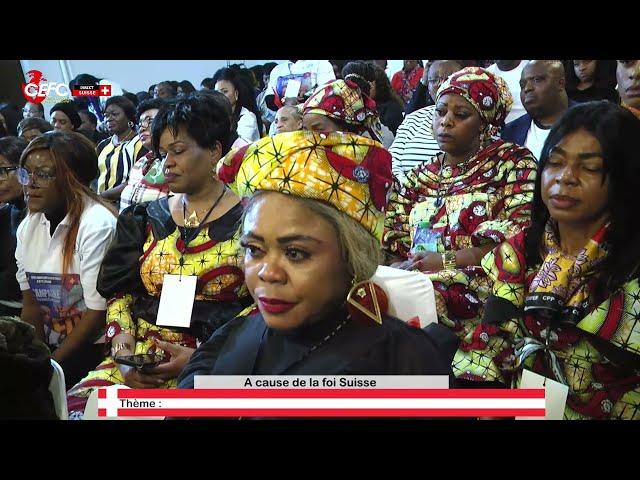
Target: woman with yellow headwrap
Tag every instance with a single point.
(456, 207)
(311, 231)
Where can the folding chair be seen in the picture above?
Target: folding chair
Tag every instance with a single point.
(58, 391)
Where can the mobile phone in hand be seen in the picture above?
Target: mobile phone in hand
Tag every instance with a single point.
(140, 361)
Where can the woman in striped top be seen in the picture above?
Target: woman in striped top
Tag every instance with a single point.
(117, 153)
(414, 143)
(146, 179)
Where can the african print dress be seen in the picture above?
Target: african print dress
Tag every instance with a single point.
(549, 319)
(146, 247)
(440, 208)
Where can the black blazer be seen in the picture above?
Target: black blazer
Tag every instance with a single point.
(516, 130)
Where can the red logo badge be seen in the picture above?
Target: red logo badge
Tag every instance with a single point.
(33, 91)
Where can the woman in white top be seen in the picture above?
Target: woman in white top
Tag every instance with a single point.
(60, 246)
(243, 102)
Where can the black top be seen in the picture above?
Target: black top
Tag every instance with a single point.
(246, 346)
(420, 99)
(94, 135)
(11, 215)
(120, 270)
(390, 114)
(25, 369)
(594, 93)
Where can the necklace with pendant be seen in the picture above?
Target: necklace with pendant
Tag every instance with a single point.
(192, 221)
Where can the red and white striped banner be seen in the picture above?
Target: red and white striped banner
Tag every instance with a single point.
(321, 402)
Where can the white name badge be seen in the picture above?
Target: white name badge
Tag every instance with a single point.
(293, 89)
(176, 301)
(555, 395)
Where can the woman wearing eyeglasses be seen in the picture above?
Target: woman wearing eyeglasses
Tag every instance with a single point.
(146, 180)
(33, 110)
(11, 214)
(60, 246)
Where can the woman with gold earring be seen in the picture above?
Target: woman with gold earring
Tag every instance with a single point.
(118, 153)
(193, 233)
(309, 251)
(459, 205)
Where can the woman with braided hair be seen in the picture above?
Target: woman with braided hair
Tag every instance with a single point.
(374, 82)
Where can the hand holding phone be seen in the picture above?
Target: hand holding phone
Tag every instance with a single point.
(140, 361)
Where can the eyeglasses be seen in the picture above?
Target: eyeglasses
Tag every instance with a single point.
(43, 178)
(146, 123)
(5, 171)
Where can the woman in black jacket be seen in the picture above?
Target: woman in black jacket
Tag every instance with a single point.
(12, 212)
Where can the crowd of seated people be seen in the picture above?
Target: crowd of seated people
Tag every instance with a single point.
(268, 199)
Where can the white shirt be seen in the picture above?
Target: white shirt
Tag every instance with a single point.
(248, 126)
(536, 137)
(512, 77)
(311, 73)
(39, 260)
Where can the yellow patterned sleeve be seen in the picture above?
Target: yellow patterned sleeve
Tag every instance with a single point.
(518, 190)
(485, 354)
(502, 265)
(119, 318)
(510, 206)
(396, 239)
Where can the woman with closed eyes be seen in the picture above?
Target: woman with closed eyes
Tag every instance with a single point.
(457, 206)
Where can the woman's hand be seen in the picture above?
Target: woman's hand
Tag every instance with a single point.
(134, 378)
(402, 265)
(173, 368)
(157, 376)
(422, 261)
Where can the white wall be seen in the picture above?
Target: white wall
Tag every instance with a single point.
(138, 75)
(133, 75)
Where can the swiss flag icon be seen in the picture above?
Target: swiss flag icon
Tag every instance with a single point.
(105, 90)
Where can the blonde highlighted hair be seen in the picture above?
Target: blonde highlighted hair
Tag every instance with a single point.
(361, 251)
(76, 164)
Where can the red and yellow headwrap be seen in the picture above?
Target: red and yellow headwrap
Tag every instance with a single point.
(349, 172)
(344, 101)
(488, 93)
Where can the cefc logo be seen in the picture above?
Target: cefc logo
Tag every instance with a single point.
(38, 88)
